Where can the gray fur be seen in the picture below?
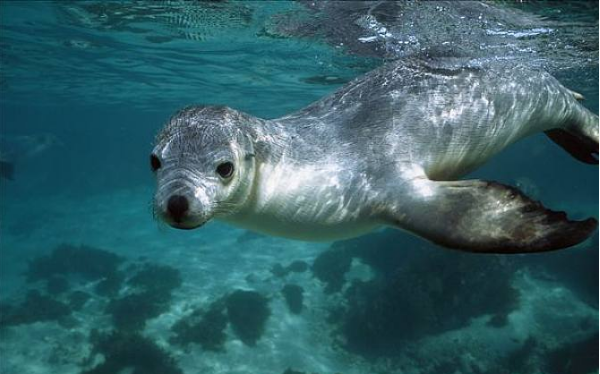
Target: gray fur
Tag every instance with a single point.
(367, 156)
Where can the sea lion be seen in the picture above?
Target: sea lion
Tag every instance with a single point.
(384, 150)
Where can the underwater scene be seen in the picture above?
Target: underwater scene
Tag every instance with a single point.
(97, 278)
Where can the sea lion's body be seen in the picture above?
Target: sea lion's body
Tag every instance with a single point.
(369, 156)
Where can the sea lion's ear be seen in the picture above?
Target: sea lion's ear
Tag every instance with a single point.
(484, 217)
(249, 156)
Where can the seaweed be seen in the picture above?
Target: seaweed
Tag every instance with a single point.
(297, 266)
(292, 371)
(35, 308)
(422, 292)
(577, 358)
(159, 279)
(331, 266)
(77, 299)
(380, 316)
(110, 285)
(449, 365)
(6, 311)
(279, 271)
(206, 328)
(131, 312)
(88, 262)
(576, 268)
(151, 296)
(57, 285)
(520, 360)
(383, 251)
(131, 351)
(248, 312)
(294, 297)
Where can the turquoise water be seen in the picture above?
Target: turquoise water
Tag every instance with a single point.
(90, 281)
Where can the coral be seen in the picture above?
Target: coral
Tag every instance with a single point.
(35, 308)
(248, 312)
(132, 353)
(330, 266)
(90, 263)
(206, 328)
(294, 297)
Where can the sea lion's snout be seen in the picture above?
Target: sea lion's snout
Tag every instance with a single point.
(178, 207)
(182, 208)
(179, 214)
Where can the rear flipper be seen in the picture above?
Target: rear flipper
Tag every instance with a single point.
(486, 217)
(583, 148)
(580, 136)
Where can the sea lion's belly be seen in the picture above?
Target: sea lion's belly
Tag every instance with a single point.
(307, 203)
(304, 229)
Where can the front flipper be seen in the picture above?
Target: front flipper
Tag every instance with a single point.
(487, 217)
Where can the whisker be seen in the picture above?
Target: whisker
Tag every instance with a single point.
(160, 224)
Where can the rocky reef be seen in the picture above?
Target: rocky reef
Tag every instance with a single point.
(203, 327)
(414, 293)
(248, 312)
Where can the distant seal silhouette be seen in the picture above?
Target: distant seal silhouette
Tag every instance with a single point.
(384, 150)
(14, 148)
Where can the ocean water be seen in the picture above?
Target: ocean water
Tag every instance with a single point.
(91, 282)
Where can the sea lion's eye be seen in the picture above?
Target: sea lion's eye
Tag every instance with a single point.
(154, 162)
(225, 170)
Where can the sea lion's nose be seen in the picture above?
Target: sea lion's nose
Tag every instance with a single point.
(177, 207)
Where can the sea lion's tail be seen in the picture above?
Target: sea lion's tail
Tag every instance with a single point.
(579, 136)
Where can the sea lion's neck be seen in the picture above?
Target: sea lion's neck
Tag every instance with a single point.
(298, 188)
(273, 140)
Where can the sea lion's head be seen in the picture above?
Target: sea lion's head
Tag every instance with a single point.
(204, 165)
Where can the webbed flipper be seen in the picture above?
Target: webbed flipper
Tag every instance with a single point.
(486, 217)
(579, 135)
(583, 148)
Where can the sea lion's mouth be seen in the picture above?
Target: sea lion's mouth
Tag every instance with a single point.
(185, 222)
(180, 211)
(186, 225)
